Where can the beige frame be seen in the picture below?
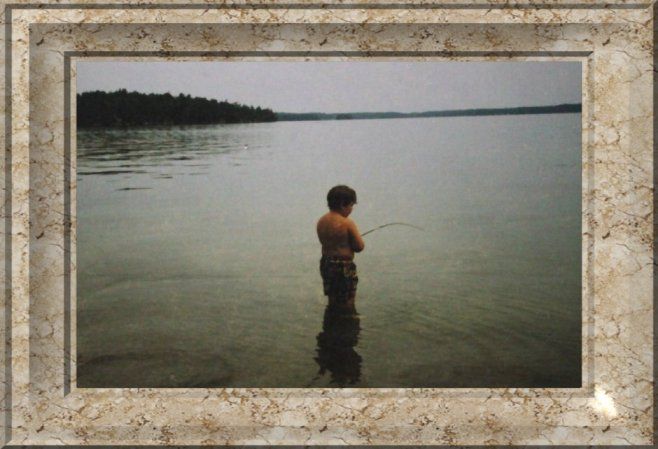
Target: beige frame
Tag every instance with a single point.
(612, 39)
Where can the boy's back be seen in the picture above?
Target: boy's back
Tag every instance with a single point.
(337, 235)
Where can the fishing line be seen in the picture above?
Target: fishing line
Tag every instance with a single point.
(391, 224)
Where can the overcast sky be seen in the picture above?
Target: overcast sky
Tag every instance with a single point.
(346, 86)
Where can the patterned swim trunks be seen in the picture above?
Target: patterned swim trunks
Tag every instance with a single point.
(338, 276)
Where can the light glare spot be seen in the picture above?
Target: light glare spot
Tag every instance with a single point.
(603, 403)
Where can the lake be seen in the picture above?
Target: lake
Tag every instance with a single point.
(197, 258)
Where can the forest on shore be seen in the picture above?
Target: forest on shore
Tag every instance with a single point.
(122, 108)
(99, 109)
(520, 110)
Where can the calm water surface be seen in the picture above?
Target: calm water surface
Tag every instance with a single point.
(198, 260)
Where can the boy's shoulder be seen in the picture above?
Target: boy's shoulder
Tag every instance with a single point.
(323, 219)
(334, 218)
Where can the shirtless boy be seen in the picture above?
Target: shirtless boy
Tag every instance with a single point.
(340, 239)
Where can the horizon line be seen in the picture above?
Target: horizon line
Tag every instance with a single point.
(348, 112)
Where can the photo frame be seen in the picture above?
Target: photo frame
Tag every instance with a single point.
(612, 39)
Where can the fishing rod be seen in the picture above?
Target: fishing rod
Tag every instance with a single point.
(391, 224)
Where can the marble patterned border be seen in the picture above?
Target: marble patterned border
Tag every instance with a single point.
(614, 42)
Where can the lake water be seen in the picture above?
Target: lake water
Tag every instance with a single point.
(198, 259)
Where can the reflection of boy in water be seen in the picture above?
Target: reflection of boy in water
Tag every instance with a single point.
(340, 239)
(336, 342)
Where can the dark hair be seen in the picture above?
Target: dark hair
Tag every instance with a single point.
(340, 196)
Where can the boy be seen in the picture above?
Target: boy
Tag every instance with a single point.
(340, 239)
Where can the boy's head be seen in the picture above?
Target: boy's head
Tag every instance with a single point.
(339, 197)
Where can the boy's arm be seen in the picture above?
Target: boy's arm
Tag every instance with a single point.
(356, 240)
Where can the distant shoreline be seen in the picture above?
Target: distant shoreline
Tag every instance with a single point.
(521, 110)
(123, 109)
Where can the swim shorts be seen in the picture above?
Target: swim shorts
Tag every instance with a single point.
(338, 276)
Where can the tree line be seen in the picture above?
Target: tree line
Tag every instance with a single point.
(123, 108)
(520, 110)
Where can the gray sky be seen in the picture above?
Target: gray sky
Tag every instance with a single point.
(346, 86)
